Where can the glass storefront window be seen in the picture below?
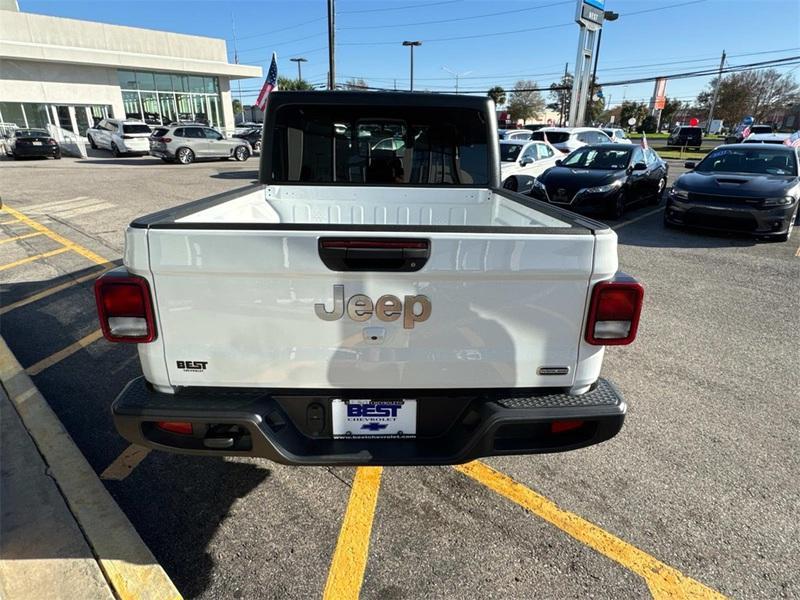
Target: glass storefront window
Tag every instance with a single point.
(36, 114)
(130, 101)
(180, 83)
(200, 112)
(168, 112)
(196, 83)
(215, 121)
(210, 85)
(127, 80)
(11, 112)
(150, 106)
(163, 82)
(81, 120)
(185, 108)
(145, 80)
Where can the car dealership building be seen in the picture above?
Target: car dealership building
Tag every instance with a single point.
(69, 73)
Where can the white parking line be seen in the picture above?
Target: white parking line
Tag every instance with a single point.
(639, 218)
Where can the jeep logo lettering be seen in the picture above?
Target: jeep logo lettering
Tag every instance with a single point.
(414, 309)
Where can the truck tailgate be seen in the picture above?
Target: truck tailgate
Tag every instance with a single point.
(236, 308)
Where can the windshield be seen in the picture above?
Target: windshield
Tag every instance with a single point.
(759, 159)
(760, 129)
(509, 152)
(135, 129)
(593, 158)
(403, 145)
(31, 133)
(556, 137)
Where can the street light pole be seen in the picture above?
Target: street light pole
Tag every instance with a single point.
(331, 45)
(411, 47)
(299, 60)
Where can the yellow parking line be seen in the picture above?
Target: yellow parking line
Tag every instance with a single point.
(664, 581)
(57, 357)
(9, 222)
(125, 463)
(28, 259)
(85, 252)
(798, 251)
(20, 237)
(50, 291)
(349, 562)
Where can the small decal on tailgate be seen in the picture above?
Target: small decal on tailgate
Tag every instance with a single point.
(192, 365)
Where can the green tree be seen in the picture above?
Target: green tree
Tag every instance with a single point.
(497, 94)
(524, 104)
(635, 110)
(293, 85)
(560, 98)
(758, 93)
(237, 107)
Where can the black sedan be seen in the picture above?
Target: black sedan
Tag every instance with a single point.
(33, 142)
(751, 188)
(603, 178)
(253, 136)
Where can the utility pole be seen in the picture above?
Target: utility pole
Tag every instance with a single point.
(299, 60)
(564, 95)
(411, 47)
(456, 75)
(331, 47)
(716, 92)
(236, 62)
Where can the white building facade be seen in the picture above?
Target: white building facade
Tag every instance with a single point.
(71, 73)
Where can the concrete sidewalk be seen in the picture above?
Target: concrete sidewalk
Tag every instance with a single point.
(43, 553)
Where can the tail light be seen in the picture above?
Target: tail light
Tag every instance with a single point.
(179, 427)
(125, 308)
(614, 312)
(51, 142)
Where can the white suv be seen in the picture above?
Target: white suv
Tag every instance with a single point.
(568, 139)
(121, 137)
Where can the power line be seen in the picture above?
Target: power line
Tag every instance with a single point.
(250, 37)
(463, 37)
(284, 43)
(413, 6)
(649, 10)
(493, 14)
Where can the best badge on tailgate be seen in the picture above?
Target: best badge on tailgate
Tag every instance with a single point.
(415, 309)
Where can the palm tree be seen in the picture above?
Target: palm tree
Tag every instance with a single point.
(497, 94)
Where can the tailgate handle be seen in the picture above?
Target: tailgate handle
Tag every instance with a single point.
(374, 254)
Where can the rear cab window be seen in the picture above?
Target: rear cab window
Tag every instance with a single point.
(336, 144)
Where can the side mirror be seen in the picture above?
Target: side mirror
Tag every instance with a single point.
(640, 167)
(690, 164)
(558, 162)
(525, 162)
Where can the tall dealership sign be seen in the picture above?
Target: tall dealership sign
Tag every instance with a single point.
(659, 99)
(589, 16)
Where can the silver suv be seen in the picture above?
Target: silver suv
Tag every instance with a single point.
(187, 143)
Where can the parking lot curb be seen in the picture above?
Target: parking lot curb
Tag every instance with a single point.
(127, 563)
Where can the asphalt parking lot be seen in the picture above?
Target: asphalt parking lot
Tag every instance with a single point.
(697, 495)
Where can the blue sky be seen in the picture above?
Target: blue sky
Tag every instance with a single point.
(691, 36)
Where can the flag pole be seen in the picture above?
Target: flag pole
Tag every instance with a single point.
(236, 61)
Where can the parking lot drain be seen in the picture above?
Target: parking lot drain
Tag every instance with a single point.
(349, 562)
(663, 581)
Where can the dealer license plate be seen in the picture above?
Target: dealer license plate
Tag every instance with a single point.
(365, 418)
(37, 143)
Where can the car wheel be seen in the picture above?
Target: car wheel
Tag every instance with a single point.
(257, 148)
(511, 184)
(115, 151)
(241, 153)
(616, 209)
(57, 156)
(662, 184)
(185, 156)
(92, 145)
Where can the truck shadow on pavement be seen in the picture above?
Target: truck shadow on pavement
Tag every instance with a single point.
(251, 175)
(176, 503)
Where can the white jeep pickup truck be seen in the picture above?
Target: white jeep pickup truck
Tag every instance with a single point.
(370, 303)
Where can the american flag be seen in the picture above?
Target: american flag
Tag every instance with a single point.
(270, 83)
(793, 141)
(745, 132)
(644, 141)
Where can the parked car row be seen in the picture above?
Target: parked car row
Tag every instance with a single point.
(753, 187)
(182, 142)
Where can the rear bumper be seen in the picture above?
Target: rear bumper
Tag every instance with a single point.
(30, 151)
(453, 427)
